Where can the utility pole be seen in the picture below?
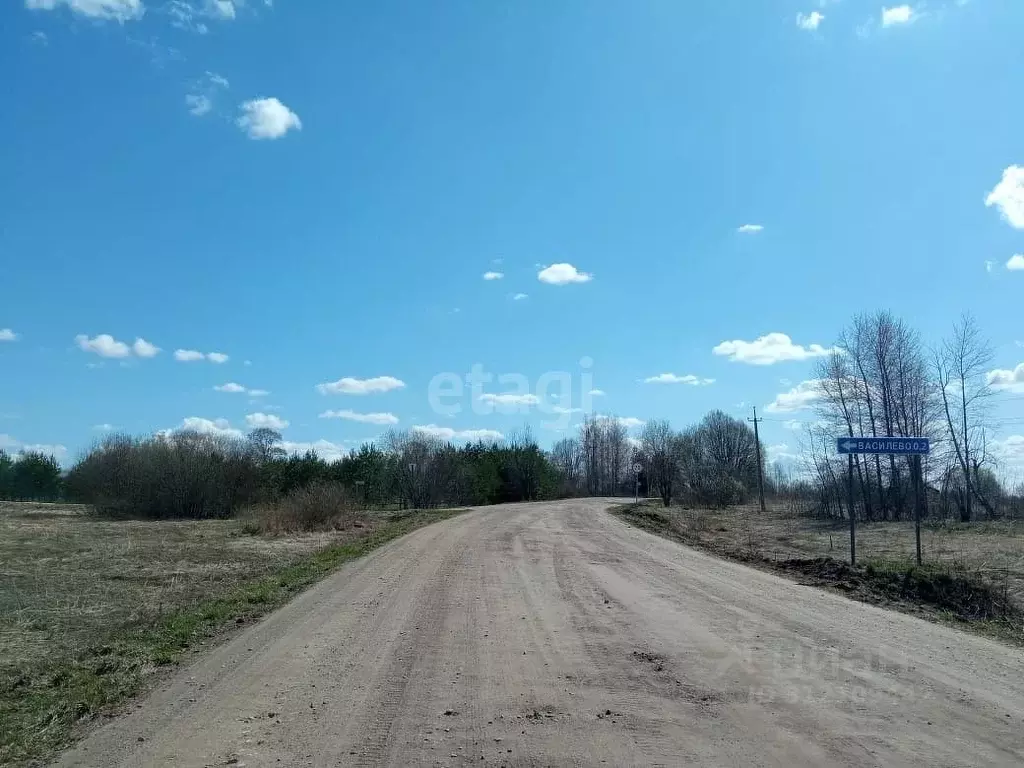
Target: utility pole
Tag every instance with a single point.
(760, 470)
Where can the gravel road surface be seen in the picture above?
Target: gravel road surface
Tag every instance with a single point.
(554, 634)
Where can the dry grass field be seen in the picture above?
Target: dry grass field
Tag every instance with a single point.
(989, 553)
(90, 608)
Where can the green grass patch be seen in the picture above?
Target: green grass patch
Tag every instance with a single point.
(42, 701)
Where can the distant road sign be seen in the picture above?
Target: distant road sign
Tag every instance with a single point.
(900, 446)
(638, 467)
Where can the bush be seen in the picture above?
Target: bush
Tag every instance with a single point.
(320, 506)
(181, 475)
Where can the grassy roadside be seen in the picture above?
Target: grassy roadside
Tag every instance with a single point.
(46, 696)
(939, 591)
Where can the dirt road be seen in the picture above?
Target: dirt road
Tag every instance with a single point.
(554, 634)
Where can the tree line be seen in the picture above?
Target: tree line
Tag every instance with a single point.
(30, 476)
(882, 380)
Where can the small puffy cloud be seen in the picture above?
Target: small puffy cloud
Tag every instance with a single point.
(1010, 453)
(1008, 196)
(810, 21)
(596, 393)
(223, 9)
(629, 422)
(672, 378)
(1005, 380)
(1016, 262)
(6, 334)
(563, 274)
(520, 296)
(768, 350)
(231, 387)
(447, 433)
(258, 392)
(352, 386)
(900, 14)
(267, 119)
(267, 420)
(103, 427)
(510, 399)
(143, 348)
(750, 229)
(103, 345)
(802, 396)
(104, 10)
(11, 444)
(217, 427)
(493, 275)
(193, 355)
(362, 418)
(793, 425)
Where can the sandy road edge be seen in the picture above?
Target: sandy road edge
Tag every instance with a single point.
(1006, 631)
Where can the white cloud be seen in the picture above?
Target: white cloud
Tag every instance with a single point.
(218, 427)
(493, 275)
(793, 425)
(268, 420)
(325, 449)
(629, 422)
(520, 296)
(672, 378)
(103, 345)
(192, 355)
(769, 349)
(1007, 380)
(6, 334)
(267, 119)
(750, 229)
(103, 427)
(231, 387)
(596, 393)
(12, 445)
(143, 348)
(112, 10)
(224, 9)
(900, 14)
(447, 433)
(989, 266)
(810, 21)
(510, 399)
(363, 418)
(39, 37)
(198, 104)
(1008, 196)
(1016, 262)
(803, 395)
(563, 274)
(565, 411)
(351, 386)
(258, 392)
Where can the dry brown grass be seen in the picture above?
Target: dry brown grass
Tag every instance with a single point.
(994, 550)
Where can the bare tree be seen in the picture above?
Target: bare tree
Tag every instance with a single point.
(960, 367)
(659, 448)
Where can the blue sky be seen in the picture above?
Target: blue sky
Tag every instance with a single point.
(315, 190)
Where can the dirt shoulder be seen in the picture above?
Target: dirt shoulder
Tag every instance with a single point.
(939, 591)
(93, 611)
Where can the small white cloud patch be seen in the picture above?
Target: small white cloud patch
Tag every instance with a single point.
(672, 378)
(1008, 196)
(1016, 263)
(493, 275)
(6, 334)
(353, 386)
(103, 10)
(143, 348)
(750, 229)
(447, 433)
(768, 349)
(103, 345)
(362, 418)
(265, 420)
(900, 14)
(1005, 380)
(563, 274)
(803, 395)
(267, 119)
(810, 21)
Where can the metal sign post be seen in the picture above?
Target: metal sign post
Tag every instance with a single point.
(895, 446)
(637, 469)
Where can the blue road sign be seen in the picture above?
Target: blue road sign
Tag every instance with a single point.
(900, 446)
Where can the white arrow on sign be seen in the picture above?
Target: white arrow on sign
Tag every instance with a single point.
(849, 445)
